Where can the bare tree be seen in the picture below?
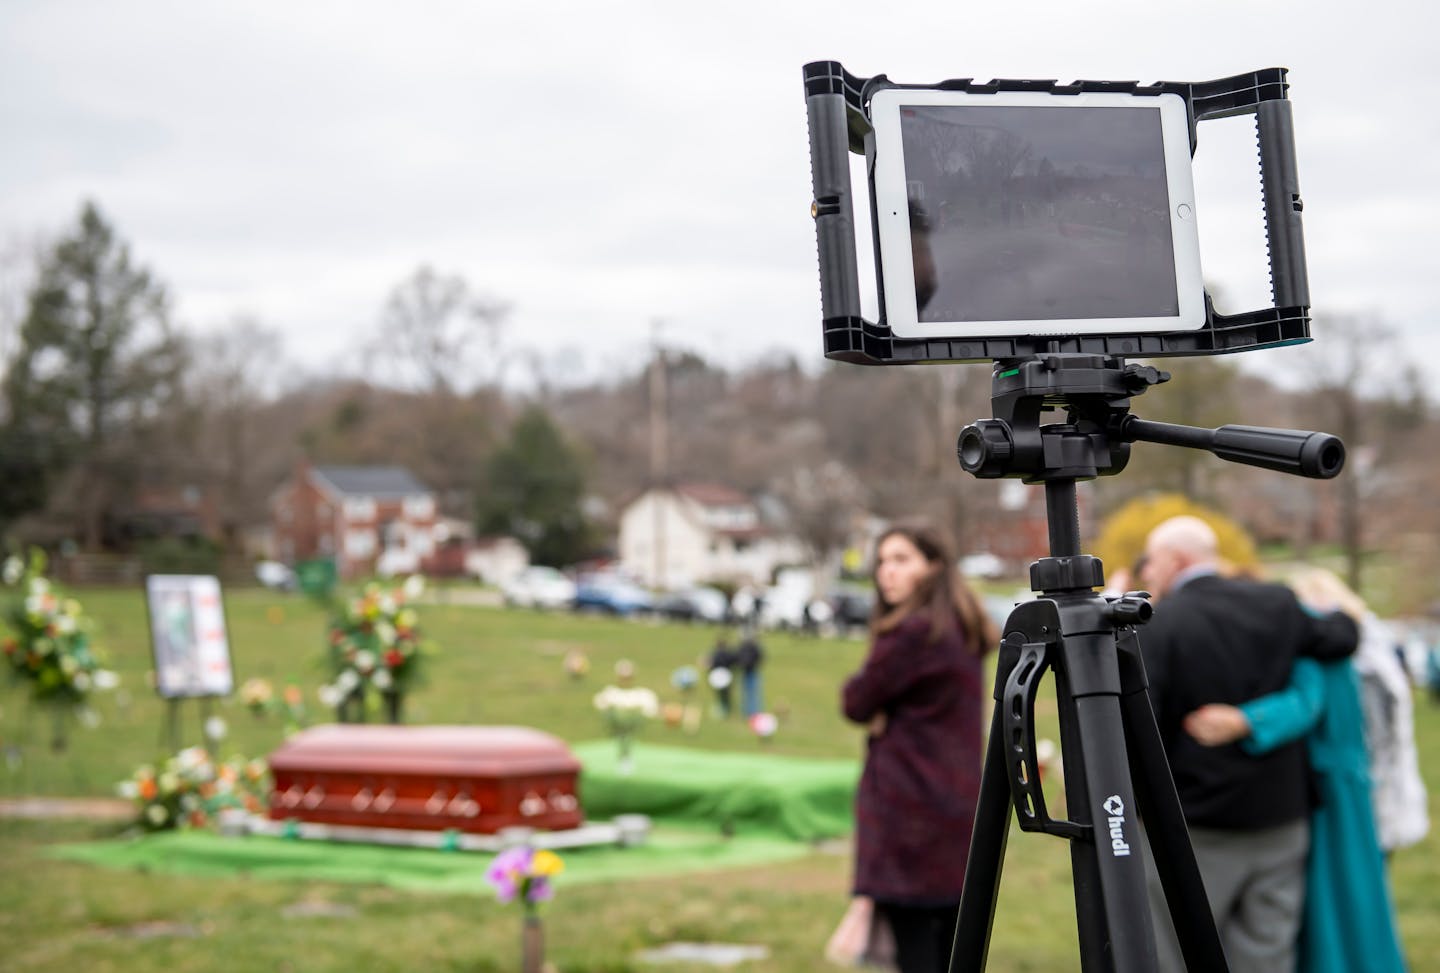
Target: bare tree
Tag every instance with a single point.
(238, 372)
(1344, 364)
(823, 502)
(438, 336)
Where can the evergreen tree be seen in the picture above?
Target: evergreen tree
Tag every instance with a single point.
(532, 488)
(97, 365)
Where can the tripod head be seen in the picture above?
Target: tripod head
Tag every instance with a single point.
(1094, 440)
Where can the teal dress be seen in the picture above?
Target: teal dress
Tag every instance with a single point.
(1349, 918)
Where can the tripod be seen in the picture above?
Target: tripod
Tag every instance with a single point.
(1115, 761)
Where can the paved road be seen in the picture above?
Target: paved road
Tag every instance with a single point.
(96, 808)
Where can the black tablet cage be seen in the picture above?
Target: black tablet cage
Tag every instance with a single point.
(838, 104)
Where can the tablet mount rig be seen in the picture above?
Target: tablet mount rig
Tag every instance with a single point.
(1114, 756)
(837, 104)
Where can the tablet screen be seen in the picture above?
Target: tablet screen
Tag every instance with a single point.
(1034, 213)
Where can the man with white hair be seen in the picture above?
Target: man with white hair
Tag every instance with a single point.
(1215, 639)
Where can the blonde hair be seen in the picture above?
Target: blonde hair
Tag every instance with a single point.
(1320, 588)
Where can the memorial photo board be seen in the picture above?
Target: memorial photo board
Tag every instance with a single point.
(188, 636)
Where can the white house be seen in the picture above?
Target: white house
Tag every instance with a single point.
(696, 532)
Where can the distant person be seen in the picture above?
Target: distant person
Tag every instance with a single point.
(919, 694)
(721, 676)
(749, 657)
(1229, 640)
(1349, 917)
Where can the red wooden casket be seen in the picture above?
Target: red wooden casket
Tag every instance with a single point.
(471, 778)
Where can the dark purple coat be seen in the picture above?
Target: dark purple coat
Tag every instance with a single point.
(916, 802)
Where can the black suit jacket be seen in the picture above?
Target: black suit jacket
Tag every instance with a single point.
(1225, 640)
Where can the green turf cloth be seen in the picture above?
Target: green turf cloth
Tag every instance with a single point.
(757, 793)
(670, 851)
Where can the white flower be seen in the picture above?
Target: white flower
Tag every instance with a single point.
(364, 661)
(105, 679)
(347, 681)
(413, 587)
(14, 569)
(637, 701)
(386, 604)
(215, 728)
(39, 586)
(385, 632)
(168, 782)
(192, 758)
(128, 789)
(382, 679)
(330, 696)
(64, 624)
(80, 680)
(157, 814)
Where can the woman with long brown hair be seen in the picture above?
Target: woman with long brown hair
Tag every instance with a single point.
(919, 693)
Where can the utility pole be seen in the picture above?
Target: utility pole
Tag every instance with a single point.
(659, 453)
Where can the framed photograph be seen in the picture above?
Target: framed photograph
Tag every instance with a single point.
(188, 637)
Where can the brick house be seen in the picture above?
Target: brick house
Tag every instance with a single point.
(368, 518)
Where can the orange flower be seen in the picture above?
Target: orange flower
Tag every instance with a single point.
(148, 790)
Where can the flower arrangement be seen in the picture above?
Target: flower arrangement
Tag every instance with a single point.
(764, 725)
(626, 708)
(577, 664)
(257, 695)
(190, 789)
(525, 875)
(50, 647)
(685, 679)
(375, 648)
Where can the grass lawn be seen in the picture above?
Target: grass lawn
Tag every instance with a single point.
(495, 666)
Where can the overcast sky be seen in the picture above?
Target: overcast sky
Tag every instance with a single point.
(604, 166)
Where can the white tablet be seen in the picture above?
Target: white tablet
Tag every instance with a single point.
(1028, 213)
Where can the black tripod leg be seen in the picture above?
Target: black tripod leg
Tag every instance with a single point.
(1128, 945)
(987, 856)
(1165, 821)
(987, 840)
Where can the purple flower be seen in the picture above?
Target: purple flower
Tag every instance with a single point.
(509, 871)
(539, 889)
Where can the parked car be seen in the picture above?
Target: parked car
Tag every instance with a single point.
(612, 595)
(794, 608)
(273, 574)
(851, 609)
(982, 564)
(697, 604)
(539, 587)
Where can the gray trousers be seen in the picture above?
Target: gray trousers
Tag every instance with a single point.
(1255, 881)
